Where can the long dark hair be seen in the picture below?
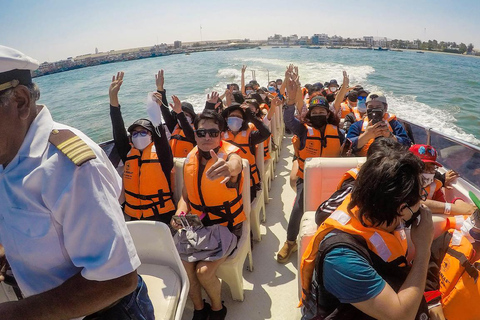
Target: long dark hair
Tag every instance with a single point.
(384, 183)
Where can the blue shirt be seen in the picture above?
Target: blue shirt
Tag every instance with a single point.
(398, 131)
(349, 277)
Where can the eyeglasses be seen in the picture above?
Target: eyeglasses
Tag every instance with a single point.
(142, 133)
(424, 194)
(202, 133)
(362, 98)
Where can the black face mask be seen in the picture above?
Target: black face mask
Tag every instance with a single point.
(206, 154)
(318, 121)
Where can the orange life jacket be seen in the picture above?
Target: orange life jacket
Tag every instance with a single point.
(363, 152)
(388, 246)
(357, 114)
(147, 191)
(459, 283)
(179, 143)
(314, 147)
(352, 173)
(212, 201)
(296, 145)
(346, 109)
(241, 140)
(433, 188)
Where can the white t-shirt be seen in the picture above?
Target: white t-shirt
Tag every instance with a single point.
(58, 219)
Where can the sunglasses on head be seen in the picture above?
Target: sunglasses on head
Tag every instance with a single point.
(142, 133)
(202, 133)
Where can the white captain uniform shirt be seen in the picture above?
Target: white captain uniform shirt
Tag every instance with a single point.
(58, 219)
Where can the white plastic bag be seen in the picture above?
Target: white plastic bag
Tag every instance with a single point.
(153, 110)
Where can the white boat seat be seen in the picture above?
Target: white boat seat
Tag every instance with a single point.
(164, 287)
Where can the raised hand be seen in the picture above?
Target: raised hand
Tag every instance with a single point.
(159, 80)
(276, 102)
(213, 97)
(244, 68)
(177, 105)
(228, 97)
(219, 169)
(114, 88)
(346, 79)
(422, 233)
(157, 97)
(289, 71)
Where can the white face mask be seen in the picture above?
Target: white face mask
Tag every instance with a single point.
(234, 123)
(249, 91)
(153, 110)
(140, 142)
(333, 89)
(467, 226)
(361, 106)
(428, 179)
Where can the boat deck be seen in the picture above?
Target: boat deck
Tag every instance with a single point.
(271, 289)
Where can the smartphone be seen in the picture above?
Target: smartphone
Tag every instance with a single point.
(188, 220)
(375, 115)
(228, 87)
(279, 95)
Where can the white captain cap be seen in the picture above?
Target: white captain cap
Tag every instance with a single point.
(15, 68)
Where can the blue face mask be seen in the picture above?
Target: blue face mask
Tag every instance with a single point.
(271, 89)
(234, 123)
(249, 91)
(362, 107)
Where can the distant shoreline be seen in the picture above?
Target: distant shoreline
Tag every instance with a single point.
(90, 60)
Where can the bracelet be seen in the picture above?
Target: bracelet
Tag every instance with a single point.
(448, 208)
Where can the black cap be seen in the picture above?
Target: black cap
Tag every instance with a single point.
(333, 82)
(234, 106)
(352, 96)
(144, 123)
(188, 108)
(318, 101)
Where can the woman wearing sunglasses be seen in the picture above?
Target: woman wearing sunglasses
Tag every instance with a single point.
(356, 266)
(148, 162)
(212, 190)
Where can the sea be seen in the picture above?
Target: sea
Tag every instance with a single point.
(439, 91)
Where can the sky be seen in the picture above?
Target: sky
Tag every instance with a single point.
(51, 30)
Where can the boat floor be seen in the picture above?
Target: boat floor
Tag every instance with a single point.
(271, 289)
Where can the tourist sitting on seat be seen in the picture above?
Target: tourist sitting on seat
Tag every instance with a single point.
(377, 123)
(179, 120)
(355, 266)
(148, 163)
(245, 131)
(453, 289)
(434, 187)
(359, 111)
(319, 137)
(212, 190)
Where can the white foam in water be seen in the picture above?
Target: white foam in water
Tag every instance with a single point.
(404, 106)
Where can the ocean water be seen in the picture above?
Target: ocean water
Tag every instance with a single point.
(435, 90)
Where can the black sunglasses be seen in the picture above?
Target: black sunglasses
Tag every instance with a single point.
(202, 133)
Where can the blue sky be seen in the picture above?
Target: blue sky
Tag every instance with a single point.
(50, 30)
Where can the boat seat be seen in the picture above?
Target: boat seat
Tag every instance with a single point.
(322, 176)
(258, 212)
(164, 287)
(161, 269)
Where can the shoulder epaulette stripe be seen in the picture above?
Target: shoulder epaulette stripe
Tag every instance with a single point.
(72, 146)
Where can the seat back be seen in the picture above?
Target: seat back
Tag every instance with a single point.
(259, 160)
(155, 248)
(322, 176)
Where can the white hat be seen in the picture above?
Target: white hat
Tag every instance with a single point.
(377, 96)
(15, 68)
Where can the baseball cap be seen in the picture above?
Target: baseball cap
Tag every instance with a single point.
(188, 108)
(333, 82)
(426, 153)
(377, 96)
(145, 123)
(15, 68)
(318, 101)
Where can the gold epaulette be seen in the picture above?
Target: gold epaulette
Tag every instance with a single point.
(72, 146)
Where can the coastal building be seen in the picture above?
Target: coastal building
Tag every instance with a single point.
(368, 41)
(177, 44)
(320, 39)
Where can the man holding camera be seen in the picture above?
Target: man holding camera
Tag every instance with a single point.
(377, 123)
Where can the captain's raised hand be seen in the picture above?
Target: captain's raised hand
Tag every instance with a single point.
(114, 88)
(346, 79)
(219, 169)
